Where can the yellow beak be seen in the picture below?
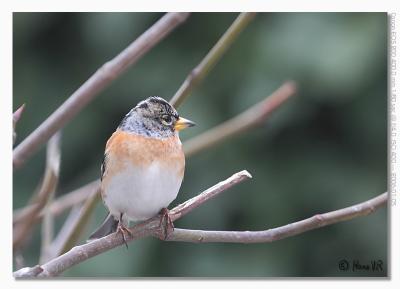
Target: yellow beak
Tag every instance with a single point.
(183, 123)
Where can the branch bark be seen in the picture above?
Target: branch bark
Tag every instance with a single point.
(97, 82)
(150, 227)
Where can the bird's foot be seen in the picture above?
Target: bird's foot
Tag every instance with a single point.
(169, 225)
(122, 229)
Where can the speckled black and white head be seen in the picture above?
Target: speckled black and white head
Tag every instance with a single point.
(154, 117)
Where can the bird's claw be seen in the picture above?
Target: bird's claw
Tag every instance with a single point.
(122, 229)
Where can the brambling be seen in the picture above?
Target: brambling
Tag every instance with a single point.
(143, 166)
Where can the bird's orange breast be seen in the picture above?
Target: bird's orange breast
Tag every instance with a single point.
(126, 148)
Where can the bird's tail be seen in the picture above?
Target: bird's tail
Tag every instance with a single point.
(107, 227)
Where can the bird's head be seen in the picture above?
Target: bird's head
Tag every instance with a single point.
(154, 117)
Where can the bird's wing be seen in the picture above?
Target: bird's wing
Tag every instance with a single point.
(103, 166)
(107, 227)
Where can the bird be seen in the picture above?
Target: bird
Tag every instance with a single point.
(143, 166)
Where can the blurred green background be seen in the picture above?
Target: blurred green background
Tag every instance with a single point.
(323, 150)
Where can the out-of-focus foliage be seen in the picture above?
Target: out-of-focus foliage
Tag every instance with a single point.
(323, 150)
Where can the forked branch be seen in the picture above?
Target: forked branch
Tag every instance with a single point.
(152, 227)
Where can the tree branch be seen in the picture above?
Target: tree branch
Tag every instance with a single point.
(79, 225)
(208, 62)
(97, 82)
(150, 227)
(23, 227)
(271, 235)
(16, 117)
(74, 226)
(242, 122)
(60, 204)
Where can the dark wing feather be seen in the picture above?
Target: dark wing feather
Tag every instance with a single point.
(108, 226)
(103, 167)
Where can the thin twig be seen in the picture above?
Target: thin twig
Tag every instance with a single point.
(60, 204)
(150, 227)
(47, 231)
(53, 156)
(65, 231)
(213, 56)
(186, 207)
(271, 235)
(242, 122)
(72, 227)
(96, 83)
(24, 226)
(78, 227)
(16, 117)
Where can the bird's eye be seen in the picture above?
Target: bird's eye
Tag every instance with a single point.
(166, 119)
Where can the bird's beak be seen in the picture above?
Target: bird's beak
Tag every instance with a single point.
(183, 123)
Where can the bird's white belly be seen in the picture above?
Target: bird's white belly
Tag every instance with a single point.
(140, 193)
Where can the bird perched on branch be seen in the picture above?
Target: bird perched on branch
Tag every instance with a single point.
(143, 166)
